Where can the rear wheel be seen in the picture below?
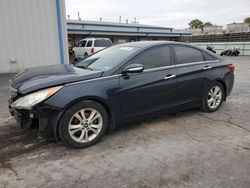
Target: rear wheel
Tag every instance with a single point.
(213, 97)
(83, 124)
(85, 55)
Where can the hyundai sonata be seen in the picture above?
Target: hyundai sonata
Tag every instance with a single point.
(117, 85)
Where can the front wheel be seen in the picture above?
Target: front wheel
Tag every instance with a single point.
(83, 124)
(74, 56)
(213, 97)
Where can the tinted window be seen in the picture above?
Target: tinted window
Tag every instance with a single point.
(79, 44)
(102, 43)
(152, 58)
(89, 44)
(186, 54)
(208, 57)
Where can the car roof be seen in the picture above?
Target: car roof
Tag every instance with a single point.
(149, 44)
(88, 38)
(144, 44)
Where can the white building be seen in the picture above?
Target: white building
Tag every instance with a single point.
(213, 30)
(32, 33)
(238, 27)
(120, 32)
(194, 31)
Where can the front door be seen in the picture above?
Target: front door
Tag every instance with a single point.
(82, 49)
(152, 90)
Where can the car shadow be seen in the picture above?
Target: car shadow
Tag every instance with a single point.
(156, 117)
(15, 141)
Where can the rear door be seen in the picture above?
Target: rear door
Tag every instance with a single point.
(152, 90)
(193, 73)
(88, 47)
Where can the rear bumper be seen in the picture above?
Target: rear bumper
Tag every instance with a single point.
(229, 81)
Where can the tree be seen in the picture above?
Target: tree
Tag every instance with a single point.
(196, 23)
(247, 20)
(207, 24)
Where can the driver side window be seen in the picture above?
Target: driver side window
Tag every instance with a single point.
(79, 44)
(83, 43)
(153, 58)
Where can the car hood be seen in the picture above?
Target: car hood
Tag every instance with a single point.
(46, 76)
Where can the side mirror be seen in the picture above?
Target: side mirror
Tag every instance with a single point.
(133, 68)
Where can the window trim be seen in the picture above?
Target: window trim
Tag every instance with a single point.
(145, 71)
(180, 65)
(196, 63)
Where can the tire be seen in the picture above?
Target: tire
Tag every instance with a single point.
(211, 95)
(72, 121)
(85, 55)
(74, 56)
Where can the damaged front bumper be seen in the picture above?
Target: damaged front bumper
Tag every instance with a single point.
(44, 118)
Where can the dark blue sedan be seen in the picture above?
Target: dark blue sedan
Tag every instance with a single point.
(116, 86)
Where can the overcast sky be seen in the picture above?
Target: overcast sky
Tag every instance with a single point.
(169, 13)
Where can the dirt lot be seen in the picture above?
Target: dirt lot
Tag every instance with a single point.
(186, 149)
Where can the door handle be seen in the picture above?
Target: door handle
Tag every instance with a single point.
(207, 67)
(169, 77)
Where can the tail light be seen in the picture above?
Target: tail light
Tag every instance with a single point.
(231, 68)
(92, 50)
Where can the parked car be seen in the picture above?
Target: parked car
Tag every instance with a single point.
(116, 86)
(89, 46)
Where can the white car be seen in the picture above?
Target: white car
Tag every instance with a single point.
(88, 46)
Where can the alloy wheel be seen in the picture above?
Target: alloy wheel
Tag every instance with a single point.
(85, 125)
(214, 97)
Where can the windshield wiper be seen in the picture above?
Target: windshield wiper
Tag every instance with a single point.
(89, 68)
(84, 67)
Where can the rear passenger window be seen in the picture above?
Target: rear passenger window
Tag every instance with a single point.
(153, 58)
(208, 57)
(186, 54)
(102, 43)
(89, 44)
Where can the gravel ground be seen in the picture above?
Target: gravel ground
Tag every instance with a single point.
(185, 149)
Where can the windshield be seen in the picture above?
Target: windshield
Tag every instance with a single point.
(107, 58)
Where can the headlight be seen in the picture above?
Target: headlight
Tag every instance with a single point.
(32, 99)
